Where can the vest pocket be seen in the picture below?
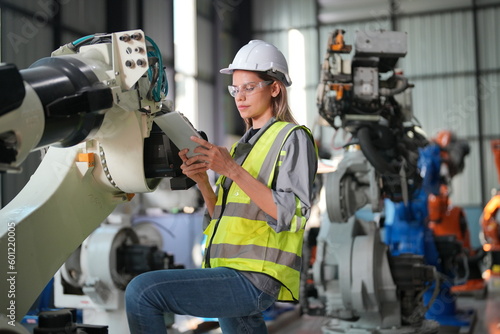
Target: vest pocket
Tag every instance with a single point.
(210, 228)
(242, 232)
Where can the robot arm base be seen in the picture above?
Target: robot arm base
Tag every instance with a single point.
(46, 222)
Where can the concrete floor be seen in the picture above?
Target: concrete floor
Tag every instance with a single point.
(486, 318)
(486, 311)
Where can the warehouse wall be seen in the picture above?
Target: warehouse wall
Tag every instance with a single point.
(272, 21)
(455, 88)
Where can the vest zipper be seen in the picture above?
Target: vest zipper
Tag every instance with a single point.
(207, 251)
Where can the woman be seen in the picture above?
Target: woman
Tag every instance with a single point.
(257, 214)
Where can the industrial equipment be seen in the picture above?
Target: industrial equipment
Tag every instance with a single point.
(448, 222)
(429, 227)
(362, 287)
(93, 103)
(364, 284)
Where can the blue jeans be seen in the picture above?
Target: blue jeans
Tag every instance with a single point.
(209, 293)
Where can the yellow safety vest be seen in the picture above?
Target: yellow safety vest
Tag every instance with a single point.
(239, 236)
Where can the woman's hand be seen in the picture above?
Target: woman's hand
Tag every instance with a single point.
(219, 160)
(212, 157)
(195, 170)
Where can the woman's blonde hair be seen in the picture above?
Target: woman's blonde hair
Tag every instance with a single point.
(280, 108)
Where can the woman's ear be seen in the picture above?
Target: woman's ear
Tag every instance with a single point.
(275, 89)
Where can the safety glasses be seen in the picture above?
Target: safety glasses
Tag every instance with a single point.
(247, 88)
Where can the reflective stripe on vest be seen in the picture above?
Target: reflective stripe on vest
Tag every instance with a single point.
(239, 234)
(256, 253)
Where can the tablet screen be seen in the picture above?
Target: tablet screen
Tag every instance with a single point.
(179, 130)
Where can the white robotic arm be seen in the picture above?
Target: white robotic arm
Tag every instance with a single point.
(93, 103)
(359, 285)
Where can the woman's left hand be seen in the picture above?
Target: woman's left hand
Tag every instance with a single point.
(216, 158)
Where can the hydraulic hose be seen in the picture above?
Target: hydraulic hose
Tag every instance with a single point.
(371, 153)
(401, 85)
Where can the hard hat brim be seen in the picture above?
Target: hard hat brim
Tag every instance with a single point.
(285, 79)
(226, 70)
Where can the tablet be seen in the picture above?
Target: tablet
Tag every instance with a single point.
(178, 129)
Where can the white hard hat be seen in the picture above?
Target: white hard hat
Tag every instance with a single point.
(260, 56)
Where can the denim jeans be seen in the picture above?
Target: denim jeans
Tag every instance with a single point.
(221, 293)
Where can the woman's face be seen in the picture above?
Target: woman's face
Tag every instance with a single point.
(253, 97)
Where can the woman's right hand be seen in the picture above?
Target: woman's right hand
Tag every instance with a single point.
(195, 171)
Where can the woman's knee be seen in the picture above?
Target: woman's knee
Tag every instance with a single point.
(135, 289)
(131, 293)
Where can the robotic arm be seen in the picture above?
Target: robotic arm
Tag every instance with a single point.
(362, 287)
(94, 102)
(369, 98)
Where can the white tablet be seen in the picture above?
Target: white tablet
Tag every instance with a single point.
(178, 128)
